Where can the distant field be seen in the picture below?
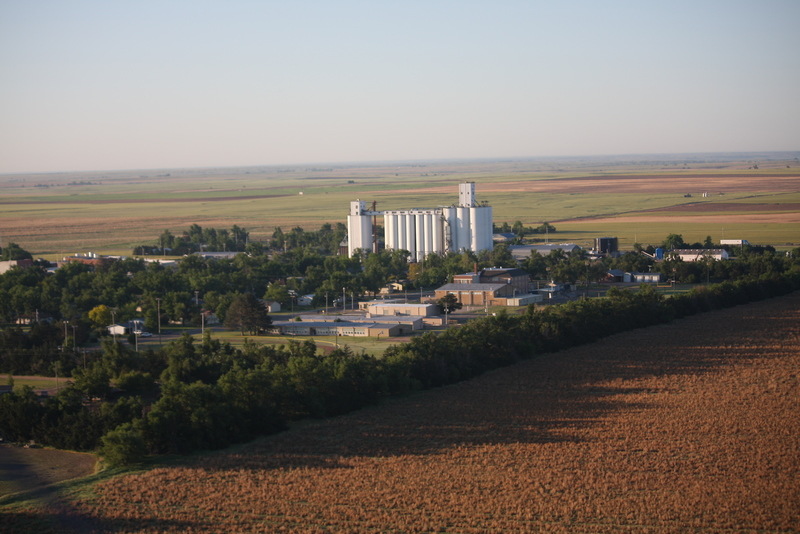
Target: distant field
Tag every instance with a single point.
(57, 214)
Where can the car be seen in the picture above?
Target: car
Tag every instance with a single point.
(146, 334)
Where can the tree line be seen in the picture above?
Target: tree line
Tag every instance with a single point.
(205, 395)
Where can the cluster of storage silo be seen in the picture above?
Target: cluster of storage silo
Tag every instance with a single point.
(466, 226)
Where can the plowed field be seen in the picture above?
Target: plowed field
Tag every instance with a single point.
(691, 426)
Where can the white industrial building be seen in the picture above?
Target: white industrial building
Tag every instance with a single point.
(465, 226)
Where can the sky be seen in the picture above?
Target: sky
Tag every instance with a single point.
(99, 85)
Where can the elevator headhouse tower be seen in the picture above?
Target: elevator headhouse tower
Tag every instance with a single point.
(463, 226)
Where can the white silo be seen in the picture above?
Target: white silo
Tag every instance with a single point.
(464, 236)
(359, 228)
(481, 228)
(390, 229)
(401, 231)
(420, 236)
(411, 234)
(450, 229)
(438, 232)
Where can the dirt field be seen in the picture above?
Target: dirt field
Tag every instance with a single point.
(28, 469)
(112, 214)
(686, 427)
(645, 183)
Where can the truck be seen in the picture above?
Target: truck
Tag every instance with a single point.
(738, 242)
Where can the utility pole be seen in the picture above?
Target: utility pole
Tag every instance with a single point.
(158, 313)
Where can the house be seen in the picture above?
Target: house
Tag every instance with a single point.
(272, 306)
(392, 287)
(504, 237)
(340, 328)
(495, 287)
(117, 330)
(475, 293)
(409, 322)
(643, 278)
(701, 254)
(305, 300)
(89, 258)
(518, 279)
(7, 265)
(367, 303)
(615, 275)
(523, 252)
(399, 308)
(217, 255)
(209, 318)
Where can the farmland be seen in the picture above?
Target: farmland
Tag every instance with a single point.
(689, 426)
(110, 212)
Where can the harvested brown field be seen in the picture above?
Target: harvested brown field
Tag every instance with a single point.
(644, 183)
(727, 218)
(691, 426)
(24, 469)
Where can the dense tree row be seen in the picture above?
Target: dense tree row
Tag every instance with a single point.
(198, 239)
(80, 301)
(208, 395)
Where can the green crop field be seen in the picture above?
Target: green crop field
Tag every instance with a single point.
(111, 212)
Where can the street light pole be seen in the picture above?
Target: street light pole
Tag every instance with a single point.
(158, 313)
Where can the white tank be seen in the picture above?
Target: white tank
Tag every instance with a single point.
(464, 236)
(359, 233)
(401, 232)
(411, 235)
(390, 230)
(450, 227)
(438, 232)
(481, 228)
(428, 233)
(420, 236)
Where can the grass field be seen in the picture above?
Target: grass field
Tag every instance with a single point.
(56, 214)
(684, 427)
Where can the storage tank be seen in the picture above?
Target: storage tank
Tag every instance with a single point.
(390, 230)
(420, 236)
(464, 236)
(359, 233)
(438, 232)
(481, 219)
(401, 231)
(450, 229)
(411, 234)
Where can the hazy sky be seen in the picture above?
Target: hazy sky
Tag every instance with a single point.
(151, 84)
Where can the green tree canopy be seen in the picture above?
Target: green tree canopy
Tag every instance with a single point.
(247, 314)
(12, 251)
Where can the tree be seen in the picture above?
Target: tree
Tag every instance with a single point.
(100, 315)
(448, 303)
(12, 251)
(278, 293)
(672, 242)
(247, 314)
(125, 445)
